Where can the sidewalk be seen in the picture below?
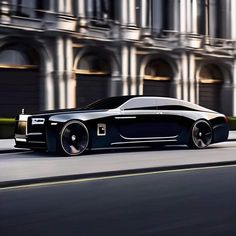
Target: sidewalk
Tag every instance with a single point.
(23, 169)
(7, 145)
(232, 135)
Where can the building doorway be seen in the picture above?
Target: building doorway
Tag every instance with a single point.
(158, 78)
(19, 80)
(93, 76)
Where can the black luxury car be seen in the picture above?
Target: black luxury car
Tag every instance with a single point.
(120, 121)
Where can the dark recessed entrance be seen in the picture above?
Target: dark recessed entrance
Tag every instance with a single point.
(157, 79)
(210, 87)
(93, 75)
(19, 81)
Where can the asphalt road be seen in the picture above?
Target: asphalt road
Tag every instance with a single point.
(30, 165)
(190, 202)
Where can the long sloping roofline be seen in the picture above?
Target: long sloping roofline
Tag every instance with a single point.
(119, 101)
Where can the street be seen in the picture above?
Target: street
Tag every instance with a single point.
(171, 201)
(187, 202)
(30, 165)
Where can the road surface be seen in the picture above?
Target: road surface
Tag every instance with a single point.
(187, 202)
(30, 165)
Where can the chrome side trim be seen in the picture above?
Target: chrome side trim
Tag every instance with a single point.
(150, 138)
(54, 123)
(20, 139)
(145, 141)
(32, 134)
(36, 142)
(125, 117)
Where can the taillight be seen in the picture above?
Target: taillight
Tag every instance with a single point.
(226, 119)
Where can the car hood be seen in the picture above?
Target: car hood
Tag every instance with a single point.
(65, 111)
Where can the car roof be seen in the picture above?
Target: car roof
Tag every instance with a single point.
(162, 101)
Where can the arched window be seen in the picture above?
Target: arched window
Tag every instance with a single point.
(157, 79)
(210, 87)
(92, 64)
(18, 56)
(158, 70)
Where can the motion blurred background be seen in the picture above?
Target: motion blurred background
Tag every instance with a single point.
(67, 53)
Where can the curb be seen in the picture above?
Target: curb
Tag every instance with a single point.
(54, 179)
(3, 151)
(16, 150)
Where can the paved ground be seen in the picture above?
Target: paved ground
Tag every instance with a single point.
(22, 166)
(190, 202)
(8, 144)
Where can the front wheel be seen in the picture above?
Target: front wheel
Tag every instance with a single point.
(74, 138)
(201, 135)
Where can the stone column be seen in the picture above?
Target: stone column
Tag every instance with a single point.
(194, 16)
(68, 6)
(133, 72)
(184, 76)
(124, 12)
(192, 79)
(70, 79)
(125, 69)
(48, 88)
(60, 72)
(189, 17)
(61, 6)
(81, 12)
(183, 16)
(144, 14)
(233, 19)
(132, 12)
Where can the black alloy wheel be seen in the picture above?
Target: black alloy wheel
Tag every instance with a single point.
(201, 135)
(74, 138)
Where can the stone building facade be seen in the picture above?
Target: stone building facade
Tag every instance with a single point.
(67, 53)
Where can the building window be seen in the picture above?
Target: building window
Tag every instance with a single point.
(33, 8)
(138, 13)
(102, 12)
(202, 9)
(18, 55)
(213, 17)
(41, 7)
(164, 16)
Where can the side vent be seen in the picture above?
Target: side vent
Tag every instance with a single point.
(101, 129)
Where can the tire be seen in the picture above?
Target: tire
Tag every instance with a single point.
(201, 135)
(74, 138)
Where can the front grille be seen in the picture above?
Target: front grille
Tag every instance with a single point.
(36, 136)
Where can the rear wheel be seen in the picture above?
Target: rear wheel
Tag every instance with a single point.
(201, 135)
(74, 138)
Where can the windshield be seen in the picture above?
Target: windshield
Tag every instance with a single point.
(107, 103)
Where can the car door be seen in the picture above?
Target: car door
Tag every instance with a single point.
(140, 120)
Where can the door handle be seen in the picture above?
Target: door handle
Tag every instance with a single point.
(125, 117)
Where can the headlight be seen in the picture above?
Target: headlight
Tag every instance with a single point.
(38, 121)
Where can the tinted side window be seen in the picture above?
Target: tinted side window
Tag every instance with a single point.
(175, 107)
(142, 108)
(140, 104)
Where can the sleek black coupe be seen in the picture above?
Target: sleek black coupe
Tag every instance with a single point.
(122, 121)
